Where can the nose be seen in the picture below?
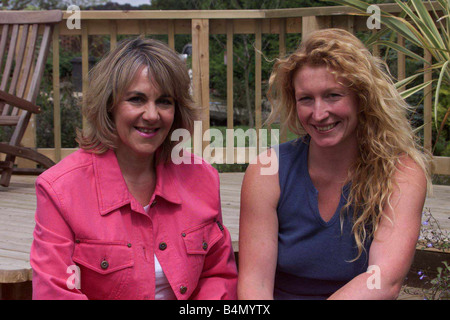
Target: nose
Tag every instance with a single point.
(150, 113)
(320, 110)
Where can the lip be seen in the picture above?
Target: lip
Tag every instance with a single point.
(325, 128)
(147, 134)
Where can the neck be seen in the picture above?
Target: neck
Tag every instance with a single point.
(334, 161)
(135, 169)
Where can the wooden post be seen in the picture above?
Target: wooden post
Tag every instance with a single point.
(84, 63)
(171, 34)
(258, 80)
(282, 53)
(113, 34)
(230, 92)
(142, 28)
(375, 48)
(56, 96)
(313, 23)
(351, 24)
(200, 71)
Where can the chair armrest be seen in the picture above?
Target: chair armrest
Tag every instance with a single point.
(19, 102)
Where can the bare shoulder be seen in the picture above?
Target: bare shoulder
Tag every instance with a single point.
(261, 176)
(409, 172)
(410, 188)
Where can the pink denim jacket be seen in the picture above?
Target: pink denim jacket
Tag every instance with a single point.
(93, 240)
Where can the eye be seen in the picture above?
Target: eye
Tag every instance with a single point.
(304, 99)
(165, 101)
(136, 99)
(334, 96)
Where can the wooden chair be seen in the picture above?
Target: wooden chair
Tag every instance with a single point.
(23, 53)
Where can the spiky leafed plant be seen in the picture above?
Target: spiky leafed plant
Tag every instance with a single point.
(425, 24)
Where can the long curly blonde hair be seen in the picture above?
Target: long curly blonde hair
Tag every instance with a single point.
(384, 133)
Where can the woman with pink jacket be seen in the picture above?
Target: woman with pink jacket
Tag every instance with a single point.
(118, 219)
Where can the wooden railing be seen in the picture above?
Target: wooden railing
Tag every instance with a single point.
(200, 25)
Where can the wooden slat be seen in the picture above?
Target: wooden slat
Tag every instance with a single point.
(230, 53)
(258, 78)
(375, 47)
(9, 120)
(142, 28)
(441, 165)
(56, 96)
(3, 44)
(23, 17)
(230, 14)
(113, 34)
(19, 55)
(28, 66)
(9, 58)
(200, 68)
(171, 34)
(282, 53)
(84, 64)
(40, 64)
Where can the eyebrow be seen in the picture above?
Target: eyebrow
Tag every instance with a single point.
(139, 93)
(335, 88)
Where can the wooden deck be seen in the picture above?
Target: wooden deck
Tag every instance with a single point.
(17, 207)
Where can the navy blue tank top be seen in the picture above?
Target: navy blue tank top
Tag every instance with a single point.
(314, 256)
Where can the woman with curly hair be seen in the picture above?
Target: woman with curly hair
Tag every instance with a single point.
(341, 217)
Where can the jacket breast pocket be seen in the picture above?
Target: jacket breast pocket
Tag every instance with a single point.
(105, 267)
(199, 240)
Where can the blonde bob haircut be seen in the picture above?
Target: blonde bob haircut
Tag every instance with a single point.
(384, 133)
(111, 77)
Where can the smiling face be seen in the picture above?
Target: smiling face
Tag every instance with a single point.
(143, 118)
(326, 109)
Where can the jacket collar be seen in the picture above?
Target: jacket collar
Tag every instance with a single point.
(112, 190)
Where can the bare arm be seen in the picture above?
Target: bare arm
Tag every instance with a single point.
(394, 244)
(258, 233)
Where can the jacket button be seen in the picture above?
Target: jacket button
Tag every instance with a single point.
(104, 265)
(183, 289)
(162, 246)
(205, 246)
